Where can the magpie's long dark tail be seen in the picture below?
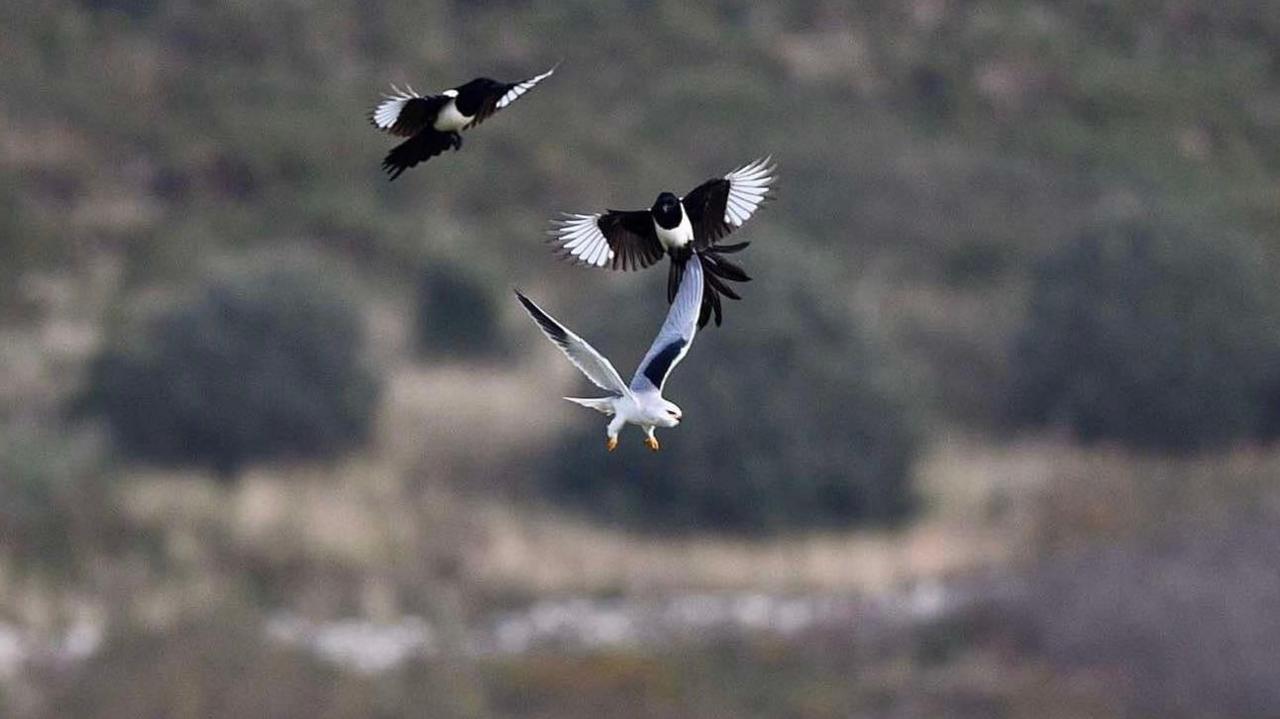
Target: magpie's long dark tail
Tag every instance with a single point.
(717, 271)
(419, 148)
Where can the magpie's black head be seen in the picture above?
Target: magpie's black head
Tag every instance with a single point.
(666, 211)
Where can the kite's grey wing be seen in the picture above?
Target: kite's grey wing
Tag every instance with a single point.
(582, 355)
(673, 340)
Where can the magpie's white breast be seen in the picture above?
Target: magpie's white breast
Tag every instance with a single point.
(450, 119)
(678, 236)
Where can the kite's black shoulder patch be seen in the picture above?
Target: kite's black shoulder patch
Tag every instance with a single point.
(661, 364)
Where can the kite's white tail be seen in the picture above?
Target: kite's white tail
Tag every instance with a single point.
(603, 405)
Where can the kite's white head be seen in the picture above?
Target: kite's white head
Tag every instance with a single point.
(670, 415)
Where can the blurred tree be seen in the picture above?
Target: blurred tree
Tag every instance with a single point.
(1145, 332)
(457, 316)
(264, 360)
(791, 420)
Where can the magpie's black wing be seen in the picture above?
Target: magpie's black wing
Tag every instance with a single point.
(405, 112)
(719, 206)
(483, 97)
(618, 239)
(716, 208)
(421, 147)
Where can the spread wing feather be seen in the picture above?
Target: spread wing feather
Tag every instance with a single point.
(675, 336)
(404, 112)
(499, 95)
(621, 240)
(720, 206)
(591, 363)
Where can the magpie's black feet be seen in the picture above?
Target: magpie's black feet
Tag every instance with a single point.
(456, 141)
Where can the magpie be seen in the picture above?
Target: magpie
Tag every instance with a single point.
(679, 227)
(433, 123)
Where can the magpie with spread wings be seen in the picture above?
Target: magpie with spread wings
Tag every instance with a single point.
(434, 123)
(679, 227)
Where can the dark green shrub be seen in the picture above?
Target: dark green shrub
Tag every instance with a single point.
(788, 421)
(258, 363)
(1149, 334)
(457, 314)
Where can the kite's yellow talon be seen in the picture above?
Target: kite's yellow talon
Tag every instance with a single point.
(652, 443)
(611, 443)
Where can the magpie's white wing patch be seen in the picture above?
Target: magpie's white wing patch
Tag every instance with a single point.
(721, 205)
(388, 111)
(617, 239)
(488, 96)
(748, 187)
(580, 239)
(520, 88)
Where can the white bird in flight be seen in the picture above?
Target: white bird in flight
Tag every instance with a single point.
(640, 402)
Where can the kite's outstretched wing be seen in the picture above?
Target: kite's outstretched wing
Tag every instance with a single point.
(594, 365)
(673, 340)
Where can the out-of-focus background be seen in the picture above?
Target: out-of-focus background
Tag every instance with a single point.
(992, 433)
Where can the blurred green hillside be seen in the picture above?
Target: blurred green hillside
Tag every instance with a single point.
(928, 150)
(1013, 324)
